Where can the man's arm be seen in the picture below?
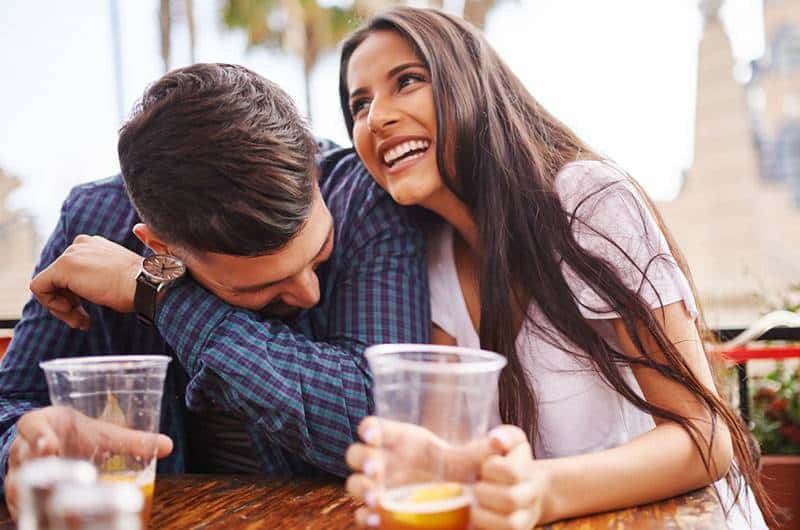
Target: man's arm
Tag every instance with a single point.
(303, 395)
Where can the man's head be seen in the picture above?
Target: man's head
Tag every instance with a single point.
(222, 171)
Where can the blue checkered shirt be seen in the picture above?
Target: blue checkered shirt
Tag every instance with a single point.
(301, 385)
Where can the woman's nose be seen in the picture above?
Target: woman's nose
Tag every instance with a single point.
(381, 115)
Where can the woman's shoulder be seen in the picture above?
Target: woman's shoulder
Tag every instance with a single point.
(588, 187)
(579, 179)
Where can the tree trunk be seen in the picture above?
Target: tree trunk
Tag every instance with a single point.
(475, 12)
(164, 19)
(307, 88)
(190, 23)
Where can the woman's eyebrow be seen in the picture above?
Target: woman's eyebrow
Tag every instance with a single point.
(393, 72)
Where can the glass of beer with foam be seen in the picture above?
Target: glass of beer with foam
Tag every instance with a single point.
(125, 391)
(435, 405)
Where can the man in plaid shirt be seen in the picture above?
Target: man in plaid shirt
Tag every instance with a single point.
(267, 332)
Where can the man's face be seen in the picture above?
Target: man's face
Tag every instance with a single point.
(277, 284)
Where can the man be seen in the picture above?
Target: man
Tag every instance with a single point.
(222, 177)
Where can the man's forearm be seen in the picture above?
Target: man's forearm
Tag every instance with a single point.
(305, 396)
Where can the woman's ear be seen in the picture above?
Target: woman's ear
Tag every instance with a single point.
(150, 239)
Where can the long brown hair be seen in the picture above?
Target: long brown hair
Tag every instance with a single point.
(506, 150)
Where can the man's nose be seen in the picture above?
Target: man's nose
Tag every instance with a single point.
(303, 291)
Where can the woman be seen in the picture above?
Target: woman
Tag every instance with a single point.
(555, 258)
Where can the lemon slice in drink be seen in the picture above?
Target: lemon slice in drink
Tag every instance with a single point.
(436, 492)
(113, 413)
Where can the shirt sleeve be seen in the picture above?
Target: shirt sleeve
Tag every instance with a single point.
(307, 396)
(37, 336)
(611, 220)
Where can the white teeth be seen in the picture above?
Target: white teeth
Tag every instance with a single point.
(390, 156)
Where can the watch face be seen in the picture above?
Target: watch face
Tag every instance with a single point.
(164, 268)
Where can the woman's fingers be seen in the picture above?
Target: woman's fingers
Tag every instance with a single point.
(506, 437)
(509, 469)
(367, 518)
(362, 488)
(369, 430)
(483, 519)
(365, 459)
(505, 499)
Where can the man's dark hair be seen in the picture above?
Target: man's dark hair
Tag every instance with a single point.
(216, 158)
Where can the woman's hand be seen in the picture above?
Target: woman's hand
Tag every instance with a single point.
(411, 454)
(511, 490)
(402, 451)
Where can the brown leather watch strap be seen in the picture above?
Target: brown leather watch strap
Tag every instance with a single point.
(144, 300)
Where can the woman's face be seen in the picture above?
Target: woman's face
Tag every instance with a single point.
(394, 120)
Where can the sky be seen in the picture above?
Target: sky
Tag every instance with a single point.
(621, 73)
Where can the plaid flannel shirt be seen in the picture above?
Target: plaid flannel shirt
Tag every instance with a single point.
(302, 385)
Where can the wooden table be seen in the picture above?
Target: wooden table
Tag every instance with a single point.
(228, 502)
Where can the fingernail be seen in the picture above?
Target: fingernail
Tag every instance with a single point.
(500, 436)
(41, 444)
(371, 499)
(371, 435)
(373, 520)
(370, 468)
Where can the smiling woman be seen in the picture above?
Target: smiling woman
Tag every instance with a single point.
(400, 160)
(555, 257)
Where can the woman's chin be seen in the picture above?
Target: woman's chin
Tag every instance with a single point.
(406, 194)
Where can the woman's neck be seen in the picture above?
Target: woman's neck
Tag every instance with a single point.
(455, 212)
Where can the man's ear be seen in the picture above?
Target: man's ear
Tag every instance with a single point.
(150, 239)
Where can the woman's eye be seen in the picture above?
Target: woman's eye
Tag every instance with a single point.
(358, 105)
(409, 79)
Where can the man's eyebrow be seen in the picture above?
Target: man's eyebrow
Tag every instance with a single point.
(267, 285)
(393, 72)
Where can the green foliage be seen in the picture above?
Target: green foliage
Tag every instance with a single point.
(775, 411)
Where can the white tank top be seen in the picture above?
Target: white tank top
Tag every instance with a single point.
(578, 412)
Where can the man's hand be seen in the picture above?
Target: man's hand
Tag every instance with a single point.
(93, 269)
(62, 431)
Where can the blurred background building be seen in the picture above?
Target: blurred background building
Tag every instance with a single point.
(699, 101)
(737, 216)
(20, 245)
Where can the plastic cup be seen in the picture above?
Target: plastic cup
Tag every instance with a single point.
(95, 507)
(434, 404)
(39, 478)
(123, 390)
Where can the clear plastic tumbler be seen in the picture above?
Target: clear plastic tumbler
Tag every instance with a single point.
(39, 478)
(100, 506)
(435, 404)
(123, 390)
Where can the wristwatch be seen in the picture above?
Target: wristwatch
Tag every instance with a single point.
(157, 272)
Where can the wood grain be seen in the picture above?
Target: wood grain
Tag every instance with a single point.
(246, 502)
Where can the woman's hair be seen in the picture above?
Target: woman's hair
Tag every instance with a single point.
(499, 151)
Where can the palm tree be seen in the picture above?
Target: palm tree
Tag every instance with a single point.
(165, 19)
(301, 27)
(475, 11)
(165, 24)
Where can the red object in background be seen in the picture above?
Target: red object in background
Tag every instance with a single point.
(740, 355)
(780, 476)
(4, 342)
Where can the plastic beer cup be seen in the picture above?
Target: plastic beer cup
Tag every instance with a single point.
(124, 390)
(443, 399)
(99, 506)
(39, 478)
